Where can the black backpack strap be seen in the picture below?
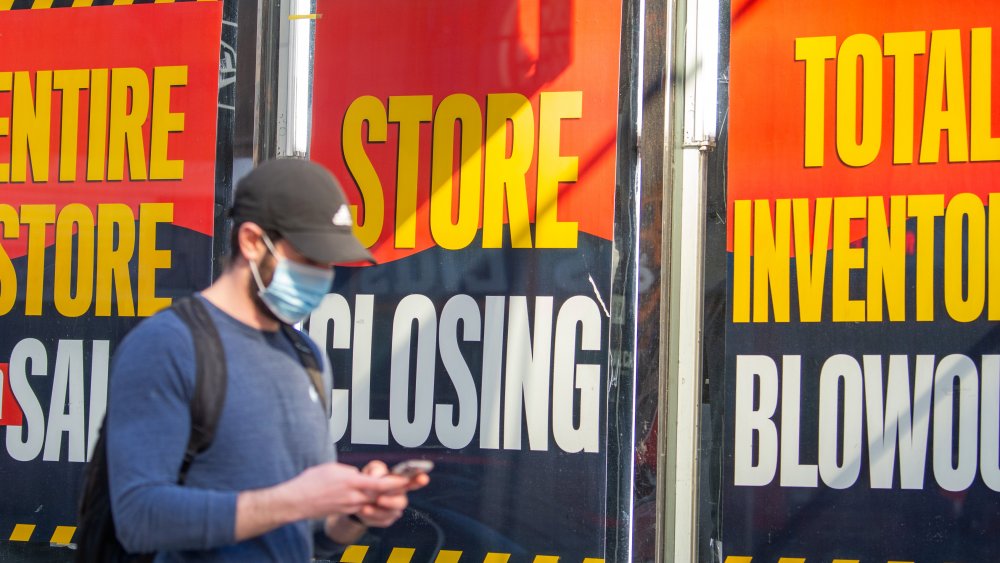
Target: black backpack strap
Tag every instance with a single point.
(96, 539)
(308, 359)
(210, 378)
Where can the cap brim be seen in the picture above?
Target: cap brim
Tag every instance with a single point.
(329, 246)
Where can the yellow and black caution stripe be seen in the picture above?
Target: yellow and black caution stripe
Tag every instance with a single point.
(42, 4)
(747, 559)
(356, 554)
(63, 535)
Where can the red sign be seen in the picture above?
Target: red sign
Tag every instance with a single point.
(477, 143)
(106, 131)
(863, 99)
(861, 383)
(95, 109)
(500, 113)
(10, 411)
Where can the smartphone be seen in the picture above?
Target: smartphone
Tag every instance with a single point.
(412, 467)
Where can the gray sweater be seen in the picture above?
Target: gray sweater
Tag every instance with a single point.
(272, 428)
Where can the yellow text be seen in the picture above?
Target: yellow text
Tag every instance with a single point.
(495, 150)
(859, 118)
(120, 104)
(91, 272)
(873, 281)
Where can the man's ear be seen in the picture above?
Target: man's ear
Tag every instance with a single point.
(251, 245)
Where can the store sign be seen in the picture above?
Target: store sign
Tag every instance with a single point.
(476, 141)
(862, 357)
(107, 154)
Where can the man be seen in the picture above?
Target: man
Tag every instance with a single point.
(269, 476)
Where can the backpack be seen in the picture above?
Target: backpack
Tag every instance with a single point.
(96, 540)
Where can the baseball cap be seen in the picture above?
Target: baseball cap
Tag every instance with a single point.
(303, 202)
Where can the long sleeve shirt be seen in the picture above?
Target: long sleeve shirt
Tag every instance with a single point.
(272, 427)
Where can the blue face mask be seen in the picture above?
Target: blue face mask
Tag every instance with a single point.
(295, 289)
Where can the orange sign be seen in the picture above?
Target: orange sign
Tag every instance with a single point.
(440, 135)
(856, 98)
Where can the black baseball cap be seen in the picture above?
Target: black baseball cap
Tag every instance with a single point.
(303, 202)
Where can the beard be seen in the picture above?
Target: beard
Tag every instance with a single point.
(266, 271)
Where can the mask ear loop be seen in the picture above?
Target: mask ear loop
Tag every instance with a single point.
(268, 244)
(256, 277)
(253, 265)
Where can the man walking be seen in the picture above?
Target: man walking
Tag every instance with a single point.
(270, 478)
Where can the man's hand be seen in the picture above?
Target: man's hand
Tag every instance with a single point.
(330, 489)
(388, 506)
(335, 488)
(382, 511)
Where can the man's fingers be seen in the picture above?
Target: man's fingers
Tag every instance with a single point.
(418, 482)
(391, 483)
(392, 502)
(355, 500)
(375, 468)
(379, 517)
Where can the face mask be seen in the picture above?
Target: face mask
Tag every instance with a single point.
(295, 289)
